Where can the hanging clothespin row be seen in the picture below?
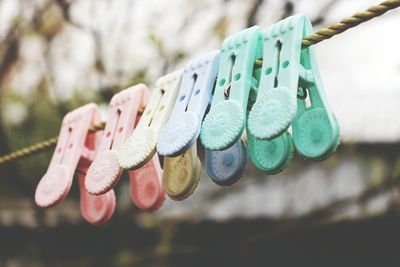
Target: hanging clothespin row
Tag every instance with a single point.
(105, 172)
(177, 140)
(140, 147)
(289, 74)
(223, 126)
(74, 152)
(269, 156)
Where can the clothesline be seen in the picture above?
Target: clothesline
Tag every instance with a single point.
(318, 36)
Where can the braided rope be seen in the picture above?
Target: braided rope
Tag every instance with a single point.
(41, 146)
(319, 36)
(347, 23)
(31, 150)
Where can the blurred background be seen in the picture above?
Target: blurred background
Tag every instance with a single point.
(57, 55)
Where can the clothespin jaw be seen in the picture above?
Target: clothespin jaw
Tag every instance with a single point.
(96, 209)
(145, 184)
(224, 124)
(227, 166)
(74, 152)
(286, 67)
(182, 174)
(105, 172)
(141, 145)
(269, 156)
(183, 126)
(56, 183)
(316, 132)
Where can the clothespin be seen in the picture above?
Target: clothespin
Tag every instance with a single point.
(227, 166)
(177, 140)
(105, 172)
(269, 156)
(195, 94)
(224, 124)
(74, 152)
(237, 84)
(289, 73)
(141, 145)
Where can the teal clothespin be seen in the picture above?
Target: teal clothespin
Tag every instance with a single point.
(224, 124)
(287, 70)
(269, 156)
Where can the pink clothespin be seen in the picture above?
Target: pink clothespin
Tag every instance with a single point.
(105, 172)
(75, 151)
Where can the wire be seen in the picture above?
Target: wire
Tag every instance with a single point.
(315, 38)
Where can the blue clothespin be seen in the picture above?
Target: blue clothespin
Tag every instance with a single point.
(177, 140)
(195, 94)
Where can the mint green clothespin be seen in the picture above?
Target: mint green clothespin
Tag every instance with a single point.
(288, 69)
(224, 124)
(269, 156)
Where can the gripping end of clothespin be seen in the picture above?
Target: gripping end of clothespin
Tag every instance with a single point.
(271, 156)
(227, 166)
(103, 174)
(223, 125)
(316, 137)
(138, 149)
(263, 122)
(178, 134)
(53, 187)
(146, 190)
(182, 174)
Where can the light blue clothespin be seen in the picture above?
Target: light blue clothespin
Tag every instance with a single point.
(183, 127)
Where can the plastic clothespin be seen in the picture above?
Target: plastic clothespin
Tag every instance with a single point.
(74, 152)
(226, 154)
(195, 94)
(177, 140)
(141, 145)
(227, 166)
(288, 69)
(224, 124)
(269, 156)
(105, 172)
